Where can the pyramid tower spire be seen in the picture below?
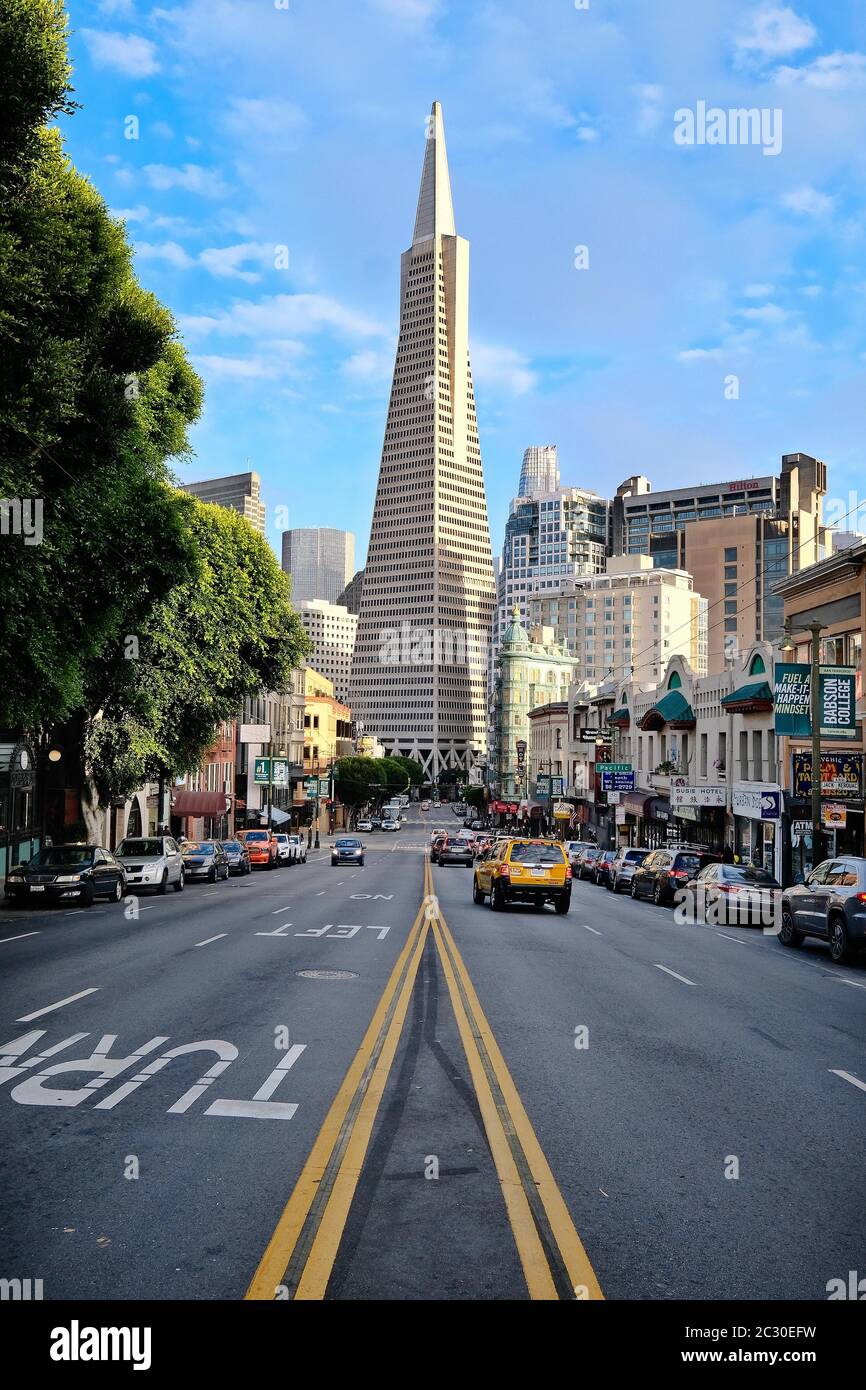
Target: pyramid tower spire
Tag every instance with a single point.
(435, 215)
(419, 667)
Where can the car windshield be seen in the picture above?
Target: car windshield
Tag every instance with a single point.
(347, 844)
(748, 875)
(141, 849)
(197, 847)
(690, 862)
(59, 855)
(636, 856)
(233, 846)
(256, 835)
(282, 839)
(536, 854)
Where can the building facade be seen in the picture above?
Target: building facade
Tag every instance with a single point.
(332, 630)
(420, 663)
(540, 470)
(532, 669)
(626, 622)
(240, 492)
(285, 715)
(350, 597)
(736, 539)
(320, 561)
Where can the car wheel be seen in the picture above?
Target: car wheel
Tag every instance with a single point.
(657, 892)
(563, 903)
(212, 875)
(163, 882)
(116, 895)
(840, 946)
(361, 862)
(633, 889)
(179, 886)
(477, 895)
(87, 896)
(497, 902)
(788, 934)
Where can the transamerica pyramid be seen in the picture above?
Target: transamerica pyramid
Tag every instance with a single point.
(420, 657)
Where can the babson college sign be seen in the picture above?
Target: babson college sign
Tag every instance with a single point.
(837, 697)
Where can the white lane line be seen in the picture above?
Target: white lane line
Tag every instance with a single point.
(842, 981)
(738, 939)
(75, 912)
(277, 910)
(592, 929)
(20, 937)
(28, 1018)
(209, 939)
(674, 973)
(846, 1076)
(211, 893)
(321, 894)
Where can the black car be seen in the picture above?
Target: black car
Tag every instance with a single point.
(205, 859)
(734, 894)
(830, 905)
(238, 857)
(585, 861)
(67, 873)
(454, 851)
(664, 871)
(347, 851)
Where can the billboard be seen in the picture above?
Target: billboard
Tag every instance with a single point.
(841, 775)
(791, 699)
(837, 695)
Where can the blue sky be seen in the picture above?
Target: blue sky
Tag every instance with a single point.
(300, 124)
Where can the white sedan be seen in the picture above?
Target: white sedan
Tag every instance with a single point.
(364, 825)
(390, 825)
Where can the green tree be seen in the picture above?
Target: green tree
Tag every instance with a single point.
(96, 396)
(356, 780)
(412, 768)
(225, 633)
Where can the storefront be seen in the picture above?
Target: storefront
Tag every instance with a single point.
(19, 835)
(842, 811)
(756, 808)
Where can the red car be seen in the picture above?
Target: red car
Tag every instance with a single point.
(262, 847)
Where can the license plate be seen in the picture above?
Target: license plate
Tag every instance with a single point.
(37, 888)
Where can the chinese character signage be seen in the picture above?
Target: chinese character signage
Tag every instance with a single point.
(791, 699)
(683, 795)
(841, 775)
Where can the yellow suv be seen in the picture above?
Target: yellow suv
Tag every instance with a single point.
(527, 871)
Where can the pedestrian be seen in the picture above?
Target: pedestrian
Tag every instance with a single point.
(727, 855)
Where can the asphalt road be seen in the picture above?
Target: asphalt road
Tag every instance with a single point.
(355, 1084)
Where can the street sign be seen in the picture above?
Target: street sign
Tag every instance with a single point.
(311, 785)
(262, 770)
(280, 772)
(756, 802)
(616, 777)
(684, 795)
(324, 786)
(591, 735)
(837, 690)
(837, 685)
(545, 785)
(834, 815)
(791, 698)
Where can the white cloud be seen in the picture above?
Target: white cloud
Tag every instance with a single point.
(113, 7)
(168, 251)
(649, 112)
(757, 291)
(812, 291)
(765, 313)
(126, 53)
(502, 368)
(832, 72)
(702, 354)
(191, 177)
(268, 116)
(162, 129)
(285, 314)
(136, 214)
(408, 11)
(369, 367)
(808, 201)
(230, 261)
(256, 368)
(775, 32)
(587, 134)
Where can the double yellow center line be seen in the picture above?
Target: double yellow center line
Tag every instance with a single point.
(300, 1255)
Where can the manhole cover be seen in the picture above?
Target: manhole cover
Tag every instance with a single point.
(327, 974)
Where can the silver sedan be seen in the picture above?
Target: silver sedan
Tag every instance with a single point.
(153, 862)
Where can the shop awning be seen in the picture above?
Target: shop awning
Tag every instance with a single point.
(673, 709)
(620, 717)
(756, 698)
(636, 804)
(185, 803)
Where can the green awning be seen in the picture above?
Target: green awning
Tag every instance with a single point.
(673, 709)
(757, 696)
(620, 716)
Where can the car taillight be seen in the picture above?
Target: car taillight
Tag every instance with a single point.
(504, 871)
(677, 873)
(861, 897)
(568, 873)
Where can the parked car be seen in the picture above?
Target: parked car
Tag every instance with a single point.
(285, 849)
(665, 870)
(436, 805)
(376, 822)
(454, 851)
(528, 871)
(299, 846)
(623, 867)
(152, 861)
(67, 873)
(390, 824)
(735, 893)
(439, 837)
(584, 861)
(830, 905)
(261, 847)
(600, 871)
(364, 825)
(205, 859)
(238, 857)
(347, 850)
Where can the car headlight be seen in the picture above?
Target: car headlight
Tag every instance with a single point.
(68, 878)
(14, 873)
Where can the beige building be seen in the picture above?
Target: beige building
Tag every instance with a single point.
(240, 492)
(532, 669)
(332, 630)
(419, 669)
(629, 621)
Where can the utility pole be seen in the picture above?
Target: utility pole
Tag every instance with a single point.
(815, 698)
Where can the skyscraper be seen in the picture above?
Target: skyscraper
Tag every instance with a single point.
(320, 560)
(540, 471)
(419, 668)
(240, 492)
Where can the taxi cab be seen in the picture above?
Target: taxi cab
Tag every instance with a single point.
(526, 871)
